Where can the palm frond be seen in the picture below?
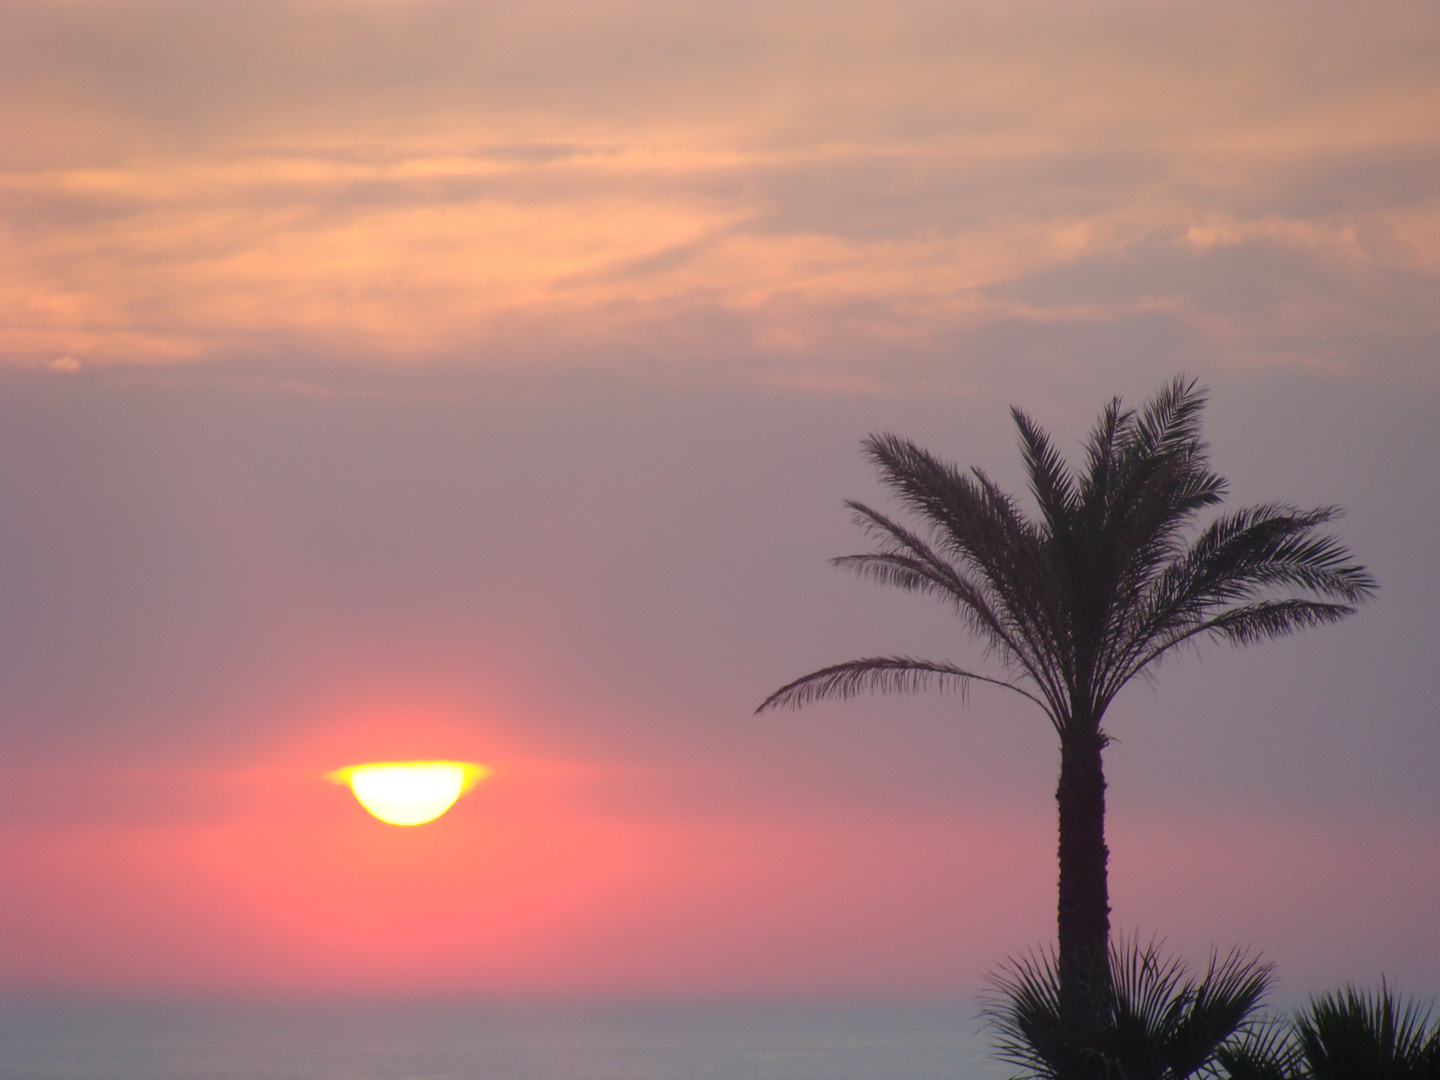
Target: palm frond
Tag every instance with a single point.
(1221, 1007)
(1341, 1035)
(1269, 545)
(1355, 1032)
(1266, 1051)
(1169, 424)
(880, 674)
(974, 522)
(907, 560)
(1224, 584)
(1162, 476)
(979, 527)
(1100, 453)
(1028, 587)
(959, 582)
(1050, 480)
(1271, 619)
(968, 599)
(1021, 1006)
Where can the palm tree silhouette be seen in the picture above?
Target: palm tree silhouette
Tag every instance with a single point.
(1156, 1019)
(1345, 1034)
(1076, 603)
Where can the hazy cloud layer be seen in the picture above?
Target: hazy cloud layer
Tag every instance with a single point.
(798, 192)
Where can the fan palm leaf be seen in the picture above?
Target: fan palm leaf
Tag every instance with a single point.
(1152, 1019)
(1349, 1034)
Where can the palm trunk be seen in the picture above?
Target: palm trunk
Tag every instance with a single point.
(1084, 915)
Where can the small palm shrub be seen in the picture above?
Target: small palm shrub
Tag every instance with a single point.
(1152, 1019)
(1350, 1034)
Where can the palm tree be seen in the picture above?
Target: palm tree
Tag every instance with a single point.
(1076, 603)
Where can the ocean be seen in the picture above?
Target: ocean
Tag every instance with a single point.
(70, 1042)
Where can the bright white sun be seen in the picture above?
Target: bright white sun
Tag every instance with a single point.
(410, 792)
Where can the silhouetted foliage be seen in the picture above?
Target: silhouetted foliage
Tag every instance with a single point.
(1150, 1020)
(1351, 1034)
(1094, 592)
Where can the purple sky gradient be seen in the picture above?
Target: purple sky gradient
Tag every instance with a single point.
(505, 368)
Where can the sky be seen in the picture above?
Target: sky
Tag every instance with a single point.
(390, 381)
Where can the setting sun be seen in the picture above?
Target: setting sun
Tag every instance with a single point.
(410, 792)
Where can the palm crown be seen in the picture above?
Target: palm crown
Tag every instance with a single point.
(1102, 585)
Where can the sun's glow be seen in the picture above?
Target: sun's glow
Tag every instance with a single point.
(410, 792)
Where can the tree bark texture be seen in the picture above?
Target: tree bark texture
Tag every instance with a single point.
(1084, 914)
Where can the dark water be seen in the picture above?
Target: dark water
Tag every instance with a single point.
(550, 1043)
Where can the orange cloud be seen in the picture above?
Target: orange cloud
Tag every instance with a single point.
(574, 184)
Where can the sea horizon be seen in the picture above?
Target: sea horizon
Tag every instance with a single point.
(316, 1038)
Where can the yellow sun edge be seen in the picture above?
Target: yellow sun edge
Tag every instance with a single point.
(474, 771)
(404, 811)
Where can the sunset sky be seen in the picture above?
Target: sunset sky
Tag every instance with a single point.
(407, 380)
